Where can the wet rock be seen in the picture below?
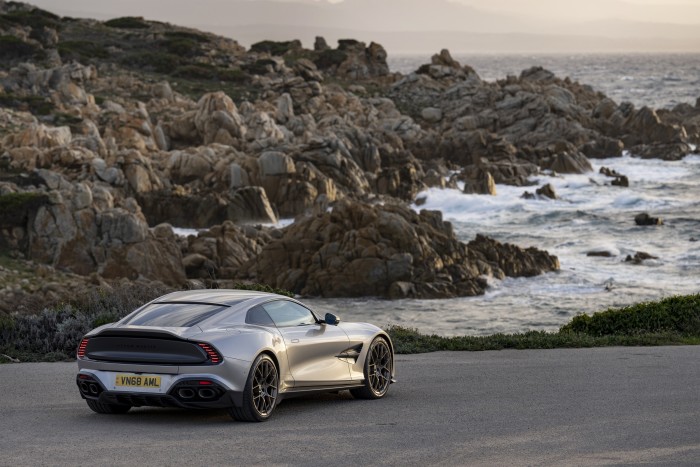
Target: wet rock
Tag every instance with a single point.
(621, 181)
(601, 253)
(639, 257)
(571, 163)
(512, 260)
(478, 181)
(645, 219)
(547, 191)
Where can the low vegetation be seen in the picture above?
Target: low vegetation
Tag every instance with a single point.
(671, 321)
(127, 22)
(53, 334)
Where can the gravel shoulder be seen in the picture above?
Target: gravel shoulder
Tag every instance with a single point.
(584, 406)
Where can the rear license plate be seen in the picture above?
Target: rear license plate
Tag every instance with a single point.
(137, 381)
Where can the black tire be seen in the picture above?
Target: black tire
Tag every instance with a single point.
(101, 407)
(379, 365)
(260, 394)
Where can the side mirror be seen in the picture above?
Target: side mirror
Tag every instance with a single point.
(331, 319)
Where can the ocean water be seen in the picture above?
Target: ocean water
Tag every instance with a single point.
(590, 215)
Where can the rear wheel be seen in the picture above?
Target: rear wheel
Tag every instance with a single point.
(378, 368)
(101, 407)
(260, 393)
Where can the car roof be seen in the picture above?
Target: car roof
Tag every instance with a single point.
(226, 297)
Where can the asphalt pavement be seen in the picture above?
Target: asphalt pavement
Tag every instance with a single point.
(606, 406)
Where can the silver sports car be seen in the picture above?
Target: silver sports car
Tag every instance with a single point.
(240, 350)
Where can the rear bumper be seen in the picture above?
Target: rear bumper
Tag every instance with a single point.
(228, 399)
(92, 387)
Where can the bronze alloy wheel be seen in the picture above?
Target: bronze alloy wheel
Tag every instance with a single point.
(378, 371)
(265, 387)
(379, 367)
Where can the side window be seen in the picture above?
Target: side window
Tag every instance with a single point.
(285, 313)
(257, 315)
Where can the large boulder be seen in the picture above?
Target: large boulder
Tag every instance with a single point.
(390, 251)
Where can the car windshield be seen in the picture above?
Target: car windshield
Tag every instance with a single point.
(172, 314)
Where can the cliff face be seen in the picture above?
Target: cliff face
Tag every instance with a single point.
(112, 132)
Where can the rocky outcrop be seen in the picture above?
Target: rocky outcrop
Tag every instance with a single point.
(229, 138)
(389, 250)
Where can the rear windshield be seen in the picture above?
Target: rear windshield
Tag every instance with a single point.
(181, 315)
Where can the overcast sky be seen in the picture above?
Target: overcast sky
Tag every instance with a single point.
(423, 25)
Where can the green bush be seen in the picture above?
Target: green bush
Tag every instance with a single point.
(182, 47)
(35, 18)
(155, 61)
(81, 50)
(187, 35)
(128, 22)
(260, 67)
(207, 72)
(54, 333)
(233, 75)
(277, 48)
(13, 48)
(38, 105)
(196, 71)
(675, 314)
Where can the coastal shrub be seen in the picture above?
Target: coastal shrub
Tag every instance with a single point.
(81, 50)
(196, 71)
(35, 18)
(233, 75)
(260, 67)
(38, 105)
(210, 73)
(187, 35)
(128, 22)
(276, 48)
(182, 47)
(675, 314)
(155, 61)
(14, 48)
(54, 333)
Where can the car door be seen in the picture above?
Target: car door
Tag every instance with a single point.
(312, 348)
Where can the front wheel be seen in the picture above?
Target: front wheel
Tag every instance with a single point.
(101, 407)
(378, 367)
(260, 393)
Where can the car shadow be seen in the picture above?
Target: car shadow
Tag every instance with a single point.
(307, 404)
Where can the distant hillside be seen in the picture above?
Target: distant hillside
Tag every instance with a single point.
(419, 26)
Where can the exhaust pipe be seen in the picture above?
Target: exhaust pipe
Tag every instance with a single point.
(84, 387)
(93, 389)
(206, 393)
(185, 393)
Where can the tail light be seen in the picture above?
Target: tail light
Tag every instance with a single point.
(82, 347)
(214, 356)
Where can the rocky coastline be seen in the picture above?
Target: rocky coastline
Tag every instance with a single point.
(113, 133)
